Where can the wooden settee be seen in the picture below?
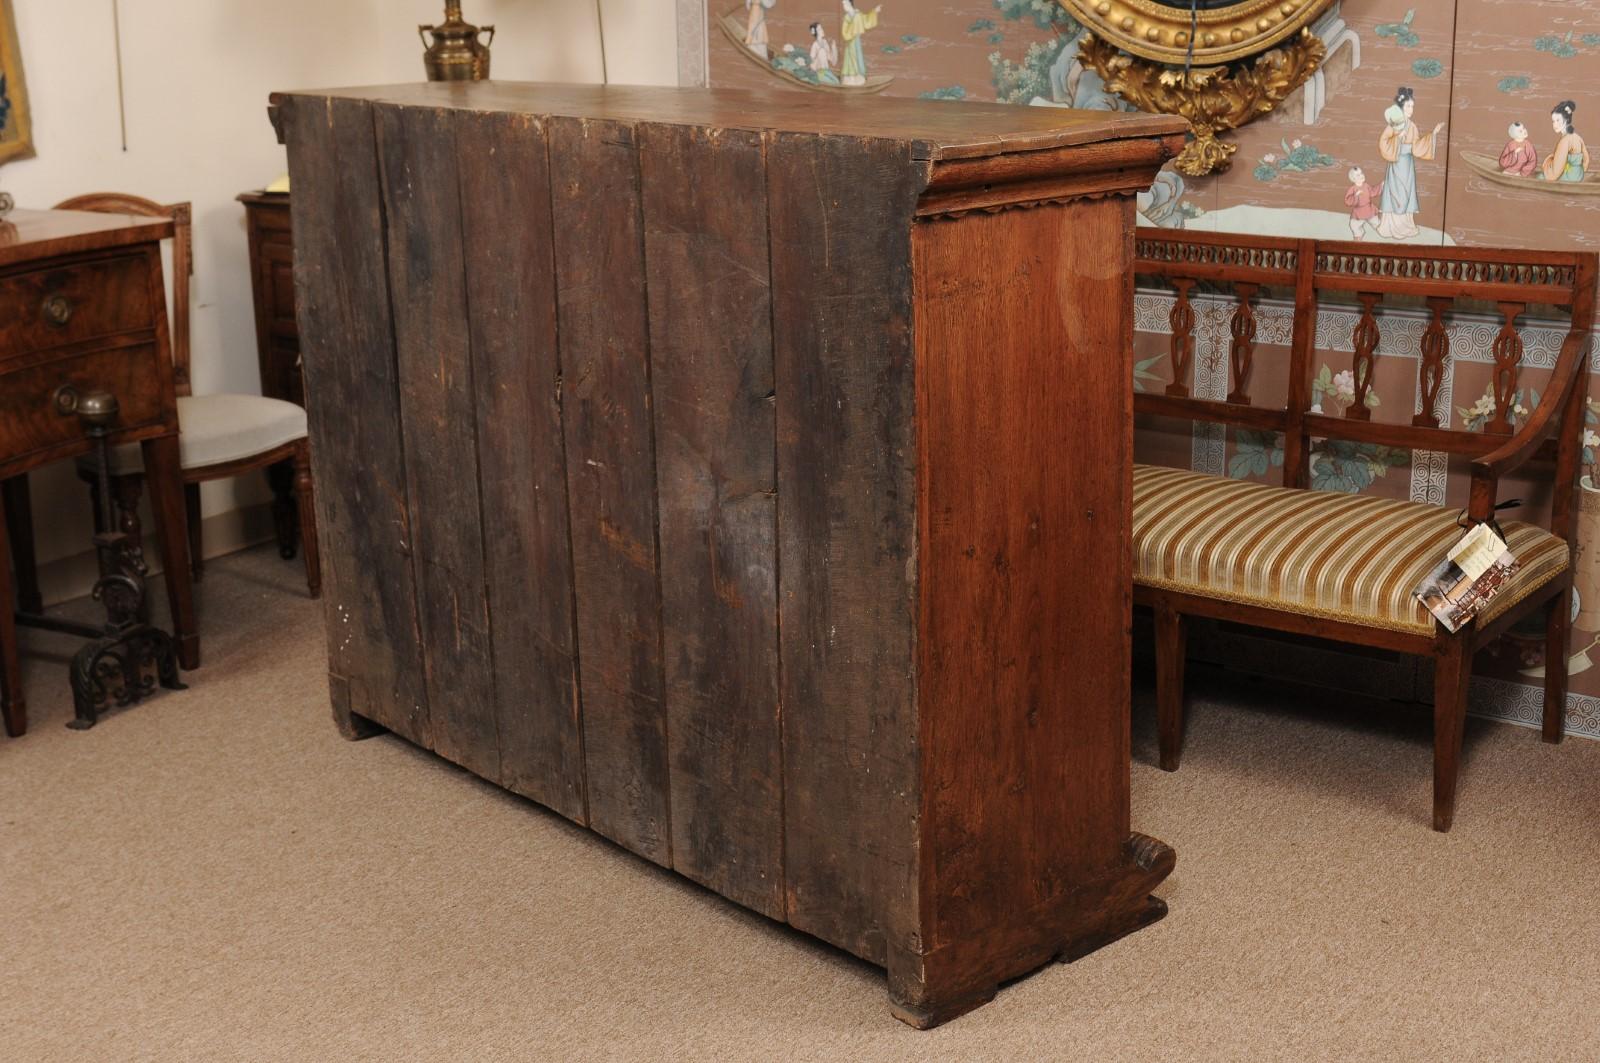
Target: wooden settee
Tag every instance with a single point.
(1342, 566)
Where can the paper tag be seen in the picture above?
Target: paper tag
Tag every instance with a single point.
(1477, 551)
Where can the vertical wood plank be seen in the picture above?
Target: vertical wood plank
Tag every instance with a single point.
(342, 300)
(705, 223)
(1025, 433)
(417, 153)
(611, 485)
(846, 454)
(516, 372)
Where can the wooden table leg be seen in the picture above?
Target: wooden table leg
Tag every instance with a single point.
(12, 706)
(18, 506)
(164, 474)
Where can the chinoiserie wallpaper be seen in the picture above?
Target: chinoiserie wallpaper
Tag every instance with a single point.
(1503, 94)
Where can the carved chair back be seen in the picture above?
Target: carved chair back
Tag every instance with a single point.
(182, 261)
(1443, 278)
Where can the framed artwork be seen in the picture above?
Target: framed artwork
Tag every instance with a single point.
(16, 126)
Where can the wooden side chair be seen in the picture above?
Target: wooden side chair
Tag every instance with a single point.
(221, 435)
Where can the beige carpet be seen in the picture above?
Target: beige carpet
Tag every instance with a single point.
(215, 875)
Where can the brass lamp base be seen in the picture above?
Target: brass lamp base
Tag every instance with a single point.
(1211, 99)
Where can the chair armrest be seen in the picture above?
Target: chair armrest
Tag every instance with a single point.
(1520, 447)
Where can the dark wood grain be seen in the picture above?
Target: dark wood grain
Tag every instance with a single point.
(846, 460)
(516, 370)
(1025, 435)
(845, 433)
(706, 262)
(438, 401)
(611, 479)
(353, 402)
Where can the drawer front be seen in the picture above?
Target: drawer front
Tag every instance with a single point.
(29, 421)
(73, 303)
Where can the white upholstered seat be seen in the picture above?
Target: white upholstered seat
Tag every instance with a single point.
(217, 429)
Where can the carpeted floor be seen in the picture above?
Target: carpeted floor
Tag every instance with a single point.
(215, 875)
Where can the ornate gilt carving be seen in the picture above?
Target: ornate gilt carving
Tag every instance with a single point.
(1212, 99)
(1226, 31)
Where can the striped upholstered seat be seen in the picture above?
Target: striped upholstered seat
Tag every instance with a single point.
(1339, 556)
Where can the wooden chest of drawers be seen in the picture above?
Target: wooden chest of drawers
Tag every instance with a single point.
(83, 308)
(272, 286)
(748, 478)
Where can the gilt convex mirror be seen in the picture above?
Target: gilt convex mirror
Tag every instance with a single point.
(1218, 63)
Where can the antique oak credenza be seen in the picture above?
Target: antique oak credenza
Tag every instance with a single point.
(747, 477)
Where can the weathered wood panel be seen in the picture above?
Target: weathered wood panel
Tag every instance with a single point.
(705, 226)
(516, 372)
(1025, 435)
(611, 484)
(422, 205)
(342, 295)
(846, 457)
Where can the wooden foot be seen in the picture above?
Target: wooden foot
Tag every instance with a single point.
(306, 509)
(18, 504)
(351, 726)
(1451, 672)
(1171, 646)
(926, 989)
(1556, 648)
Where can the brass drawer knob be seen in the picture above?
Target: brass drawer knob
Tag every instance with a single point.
(58, 310)
(65, 400)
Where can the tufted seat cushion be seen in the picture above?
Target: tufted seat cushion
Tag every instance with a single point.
(1344, 557)
(216, 429)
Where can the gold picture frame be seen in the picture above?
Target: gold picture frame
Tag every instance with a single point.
(16, 121)
(1226, 30)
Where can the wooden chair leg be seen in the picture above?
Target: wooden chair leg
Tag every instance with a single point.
(1171, 646)
(280, 478)
(1557, 635)
(306, 504)
(191, 505)
(13, 709)
(18, 505)
(1452, 671)
(162, 464)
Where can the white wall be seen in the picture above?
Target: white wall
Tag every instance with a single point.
(196, 75)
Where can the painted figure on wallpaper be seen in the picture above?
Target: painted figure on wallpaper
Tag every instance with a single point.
(755, 26)
(1401, 145)
(824, 53)
(1362, 199)
(1519, 158)
(853, 27)
(1570, 160)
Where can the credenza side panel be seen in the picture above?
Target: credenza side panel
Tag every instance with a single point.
(353, 403)
(706, 263)
(516, 373)
(1024, 430)
(611, 479)
(422, 205)
(841, 210)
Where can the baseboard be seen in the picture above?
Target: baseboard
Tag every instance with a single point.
(224, 533)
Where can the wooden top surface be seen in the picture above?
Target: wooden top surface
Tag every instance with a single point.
(31, 234)
(939, 129)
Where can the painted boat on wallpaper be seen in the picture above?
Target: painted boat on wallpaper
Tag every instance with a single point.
(1489, 166)
(733, 28)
